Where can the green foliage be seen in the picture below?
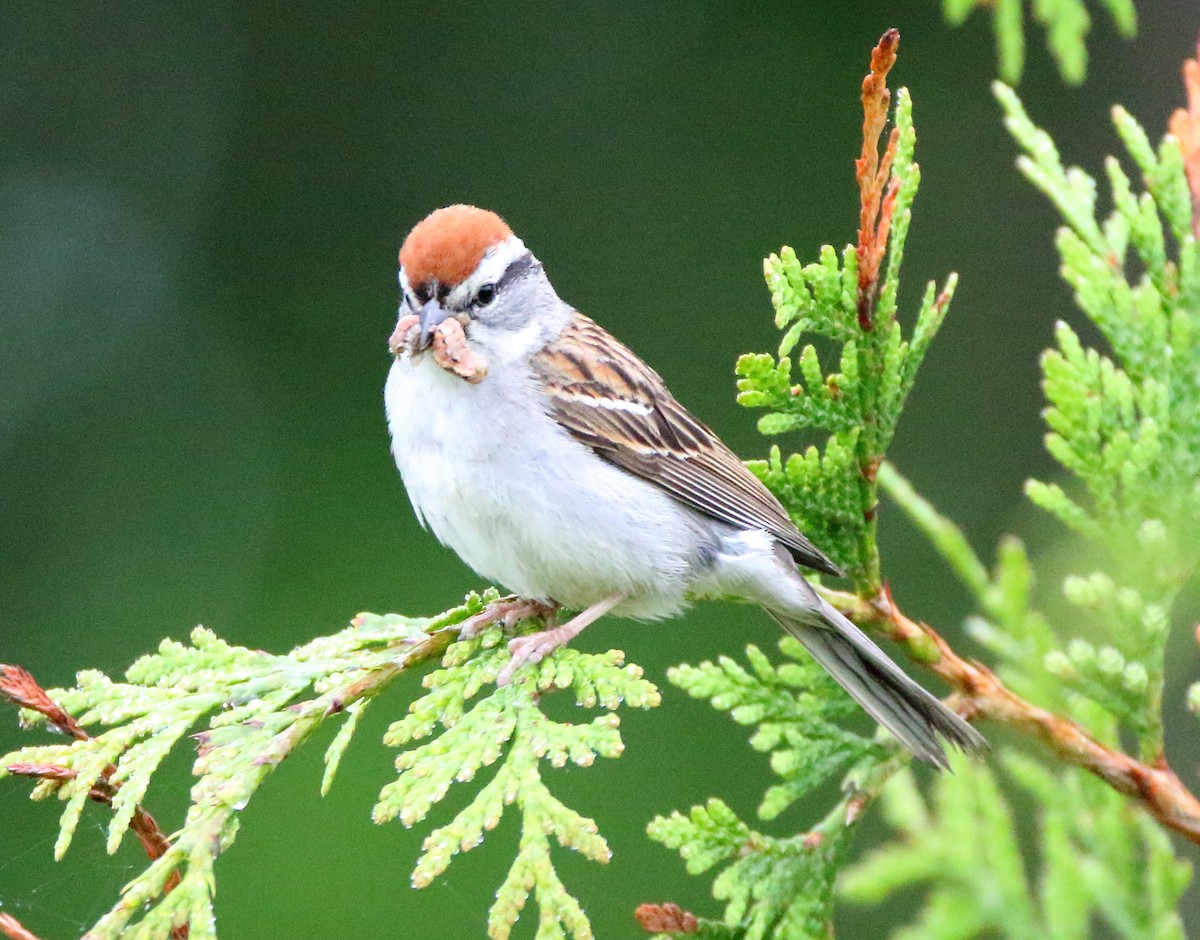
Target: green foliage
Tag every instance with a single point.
(772, 887)
(782, 887)
(1127, 428)
(1066, 23)
(507, 725)
(832, 494)
(1007, 623)
(792, 708)
(258, 708)
(1100, 860)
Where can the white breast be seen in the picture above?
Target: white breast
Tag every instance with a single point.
(527, 506)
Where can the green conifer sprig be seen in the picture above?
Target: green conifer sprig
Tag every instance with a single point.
(771, 887)
(507, 726)
(793, 709)
(1098, 861)
(774, 887)
(782, 887)
(1128, 427)
(777, 887)
(1125, 428)
(1066, 22)
(832, 494)
(257, 708)
(257, 712)
(166, 693)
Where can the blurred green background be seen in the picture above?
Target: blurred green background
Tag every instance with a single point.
(200, 207)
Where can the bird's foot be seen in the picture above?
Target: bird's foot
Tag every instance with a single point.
(509, 611)
(534, 647)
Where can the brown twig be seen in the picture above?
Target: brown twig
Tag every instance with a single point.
(666, 918)
(981, 694)
(19, 687)
(103, 790)
(1185, 125)
(14, 930)
(873, 174)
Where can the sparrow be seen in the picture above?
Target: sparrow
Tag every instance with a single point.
(556, 463)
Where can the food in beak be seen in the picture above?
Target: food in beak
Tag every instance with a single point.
(404, 334)
(453, 353)
(451, 350)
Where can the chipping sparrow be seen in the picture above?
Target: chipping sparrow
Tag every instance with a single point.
(557, 463)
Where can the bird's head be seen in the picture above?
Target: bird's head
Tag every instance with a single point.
(465, 263)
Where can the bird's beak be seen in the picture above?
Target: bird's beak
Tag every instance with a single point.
(431, 315)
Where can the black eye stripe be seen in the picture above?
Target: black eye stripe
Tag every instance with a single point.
(518, 268)
(490, 291)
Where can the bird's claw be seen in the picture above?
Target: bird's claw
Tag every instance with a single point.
(530, 649)
(508, 610)
(534, 647)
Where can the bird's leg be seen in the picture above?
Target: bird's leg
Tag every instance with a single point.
(509, 610)
(536, 646)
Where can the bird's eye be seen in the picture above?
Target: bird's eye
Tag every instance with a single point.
(485, 295)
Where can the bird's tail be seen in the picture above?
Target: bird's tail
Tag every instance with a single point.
(888, 695)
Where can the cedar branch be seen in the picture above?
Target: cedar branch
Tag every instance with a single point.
(979, 694)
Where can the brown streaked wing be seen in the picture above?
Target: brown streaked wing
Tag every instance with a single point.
(614, 403)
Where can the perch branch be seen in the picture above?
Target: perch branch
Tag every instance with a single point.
(979, 693)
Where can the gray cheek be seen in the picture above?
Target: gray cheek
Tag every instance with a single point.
(496, 328)
(498, 315)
